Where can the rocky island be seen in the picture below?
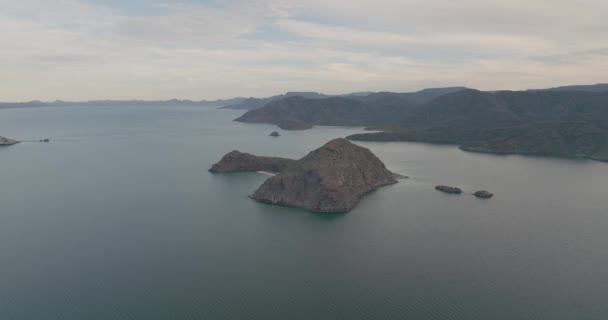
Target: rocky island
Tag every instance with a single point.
(448, 189)
(7, 142)
(483, 194)
(332, 178)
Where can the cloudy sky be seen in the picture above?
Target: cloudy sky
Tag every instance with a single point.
(208, 49)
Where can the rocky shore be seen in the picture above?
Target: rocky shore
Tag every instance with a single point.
(7, 142)
(332, 178)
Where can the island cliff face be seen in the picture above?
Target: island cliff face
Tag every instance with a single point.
(7, 142)
(332, 178)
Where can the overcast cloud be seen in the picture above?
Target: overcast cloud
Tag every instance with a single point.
(106, 49)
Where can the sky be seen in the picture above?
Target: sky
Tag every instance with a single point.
(134, 49)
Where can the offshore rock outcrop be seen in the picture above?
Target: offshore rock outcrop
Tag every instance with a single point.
(236, 161)
(7, 142)
(448, 189)
(483, 194)
(332, 178)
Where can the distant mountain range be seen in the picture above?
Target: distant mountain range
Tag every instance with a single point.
(233, 103)
(255, 103)
(172, 102)
(569, 121)
(590, 88)
(251, 103)
(388, 98)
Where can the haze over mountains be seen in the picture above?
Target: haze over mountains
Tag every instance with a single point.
(590, 88)
(238, 103)
(254, 103)
(251, 103)
(174, 102)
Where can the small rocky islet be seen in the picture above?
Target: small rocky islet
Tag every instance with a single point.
(483, 194)
(330, 179)
(448, 189)
(455, 190)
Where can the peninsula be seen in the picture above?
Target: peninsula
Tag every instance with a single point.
(236, 161)
(332, 178)
(568, 121)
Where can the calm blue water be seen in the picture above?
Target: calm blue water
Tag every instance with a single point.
(118, 218)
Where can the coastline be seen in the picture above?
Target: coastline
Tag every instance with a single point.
(8, 142)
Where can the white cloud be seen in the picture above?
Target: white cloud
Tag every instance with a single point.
(74, 50)
(384, 40)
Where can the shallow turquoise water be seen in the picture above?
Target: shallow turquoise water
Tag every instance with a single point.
(117, 218)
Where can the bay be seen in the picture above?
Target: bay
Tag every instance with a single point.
(118, 218)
